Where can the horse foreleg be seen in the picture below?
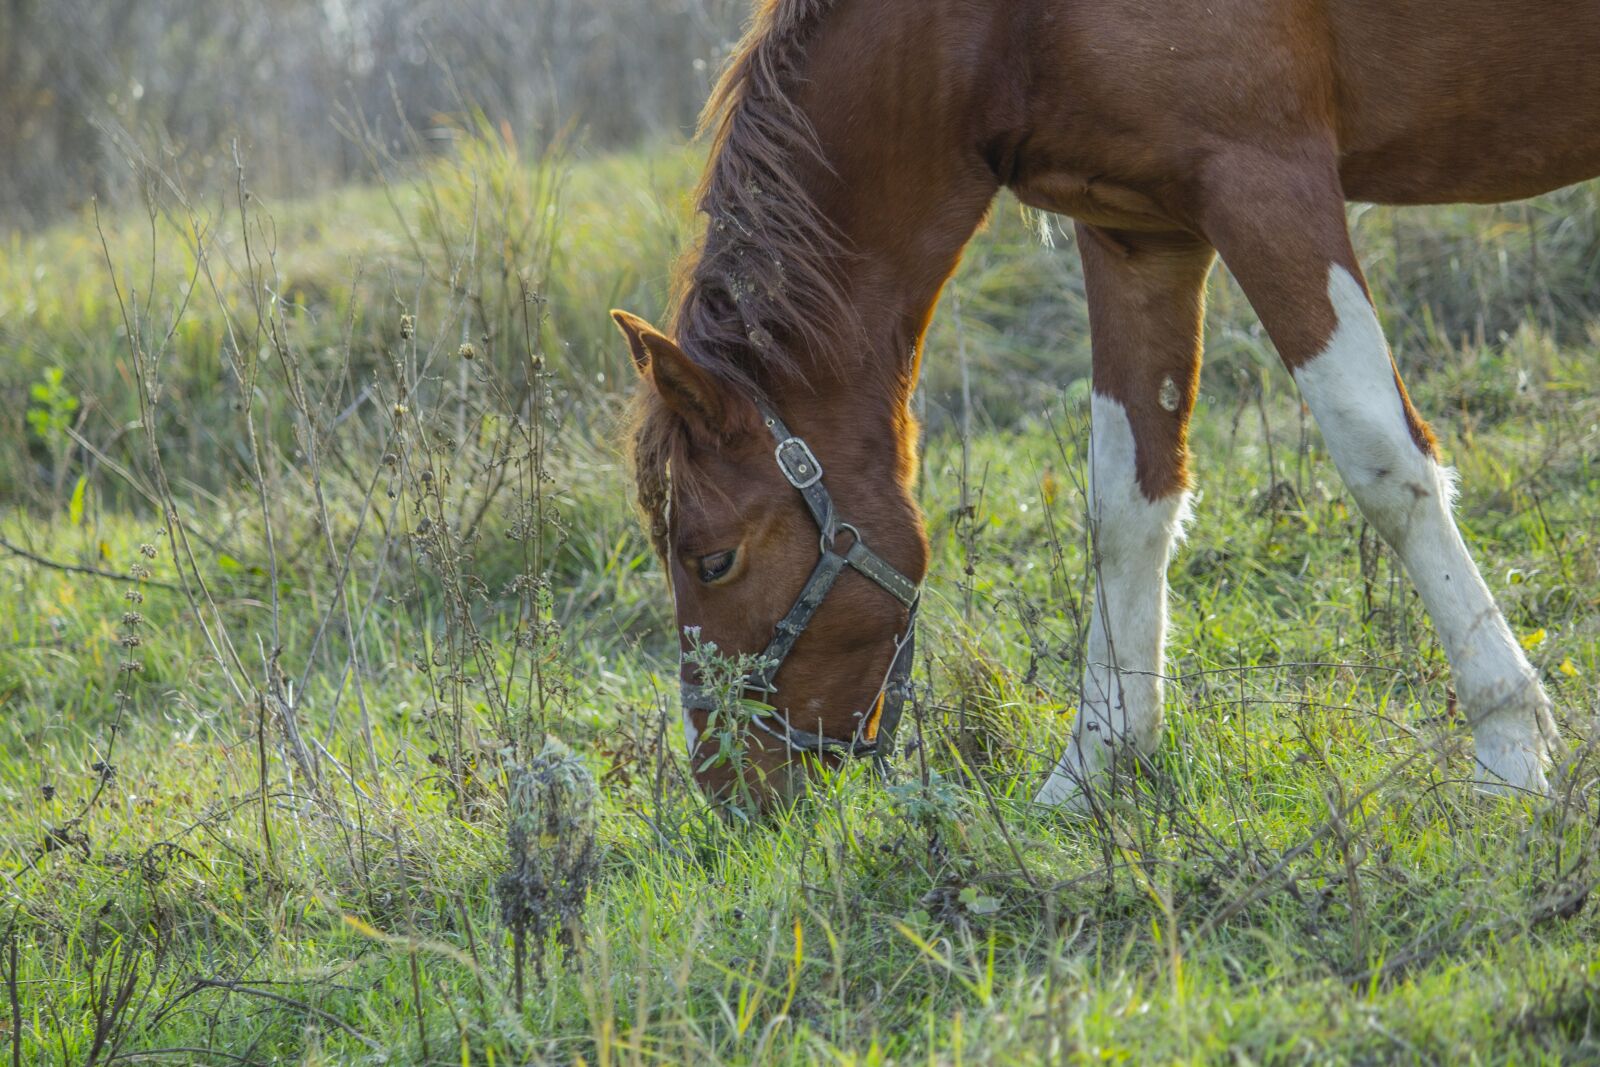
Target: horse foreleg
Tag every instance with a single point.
(1146, 310)
(1281, 230)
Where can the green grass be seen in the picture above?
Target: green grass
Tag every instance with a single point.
(1305, 875)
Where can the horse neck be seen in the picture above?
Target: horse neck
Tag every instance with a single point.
(901, 178)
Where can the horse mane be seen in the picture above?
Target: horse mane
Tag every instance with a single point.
(762, 281)
(762, 278)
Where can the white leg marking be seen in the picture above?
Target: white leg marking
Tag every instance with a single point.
(1133, 539)
(1407, 497)
(691, 736)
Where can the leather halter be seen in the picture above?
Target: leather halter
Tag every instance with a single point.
(800, 467)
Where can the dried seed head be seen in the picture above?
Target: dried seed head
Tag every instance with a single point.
(408, 327)
(466, 351)
(400, 411)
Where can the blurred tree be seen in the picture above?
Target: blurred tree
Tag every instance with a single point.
(82, 82)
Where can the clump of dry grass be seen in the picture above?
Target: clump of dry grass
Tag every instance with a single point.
(551, 821)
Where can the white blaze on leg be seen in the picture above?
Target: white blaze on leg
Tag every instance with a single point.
(1120, 708)
(1407, 496)
(691, 736)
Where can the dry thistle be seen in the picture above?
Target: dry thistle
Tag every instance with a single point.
(550, 841)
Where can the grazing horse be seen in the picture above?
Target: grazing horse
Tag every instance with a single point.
(858, 145)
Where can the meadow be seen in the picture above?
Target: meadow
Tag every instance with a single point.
(315, 524)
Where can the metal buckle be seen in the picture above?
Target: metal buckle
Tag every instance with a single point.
(798, 463)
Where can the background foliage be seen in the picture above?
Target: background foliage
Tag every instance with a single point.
(81, 81)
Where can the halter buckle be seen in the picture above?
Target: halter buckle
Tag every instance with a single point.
(798, 463)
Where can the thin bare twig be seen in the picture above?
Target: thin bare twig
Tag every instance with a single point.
(74, 568)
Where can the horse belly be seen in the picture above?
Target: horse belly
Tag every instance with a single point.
(1477, 100)
(1463, 163)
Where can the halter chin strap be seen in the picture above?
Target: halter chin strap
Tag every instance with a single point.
(874, 733)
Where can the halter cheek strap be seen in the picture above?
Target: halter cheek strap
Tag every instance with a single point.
(874, 733)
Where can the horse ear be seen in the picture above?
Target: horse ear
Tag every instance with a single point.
(635, 330)
(682, 383)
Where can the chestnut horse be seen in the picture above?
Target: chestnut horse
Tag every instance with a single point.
(859, 144)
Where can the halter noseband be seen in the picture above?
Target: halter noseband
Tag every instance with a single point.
(800, 467)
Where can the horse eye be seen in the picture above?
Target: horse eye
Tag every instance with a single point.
(716, 567)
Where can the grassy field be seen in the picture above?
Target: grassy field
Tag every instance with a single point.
(316, 527)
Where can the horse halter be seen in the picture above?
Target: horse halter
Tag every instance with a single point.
(874, 734)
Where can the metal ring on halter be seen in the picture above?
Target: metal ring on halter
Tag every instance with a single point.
(826, 542)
